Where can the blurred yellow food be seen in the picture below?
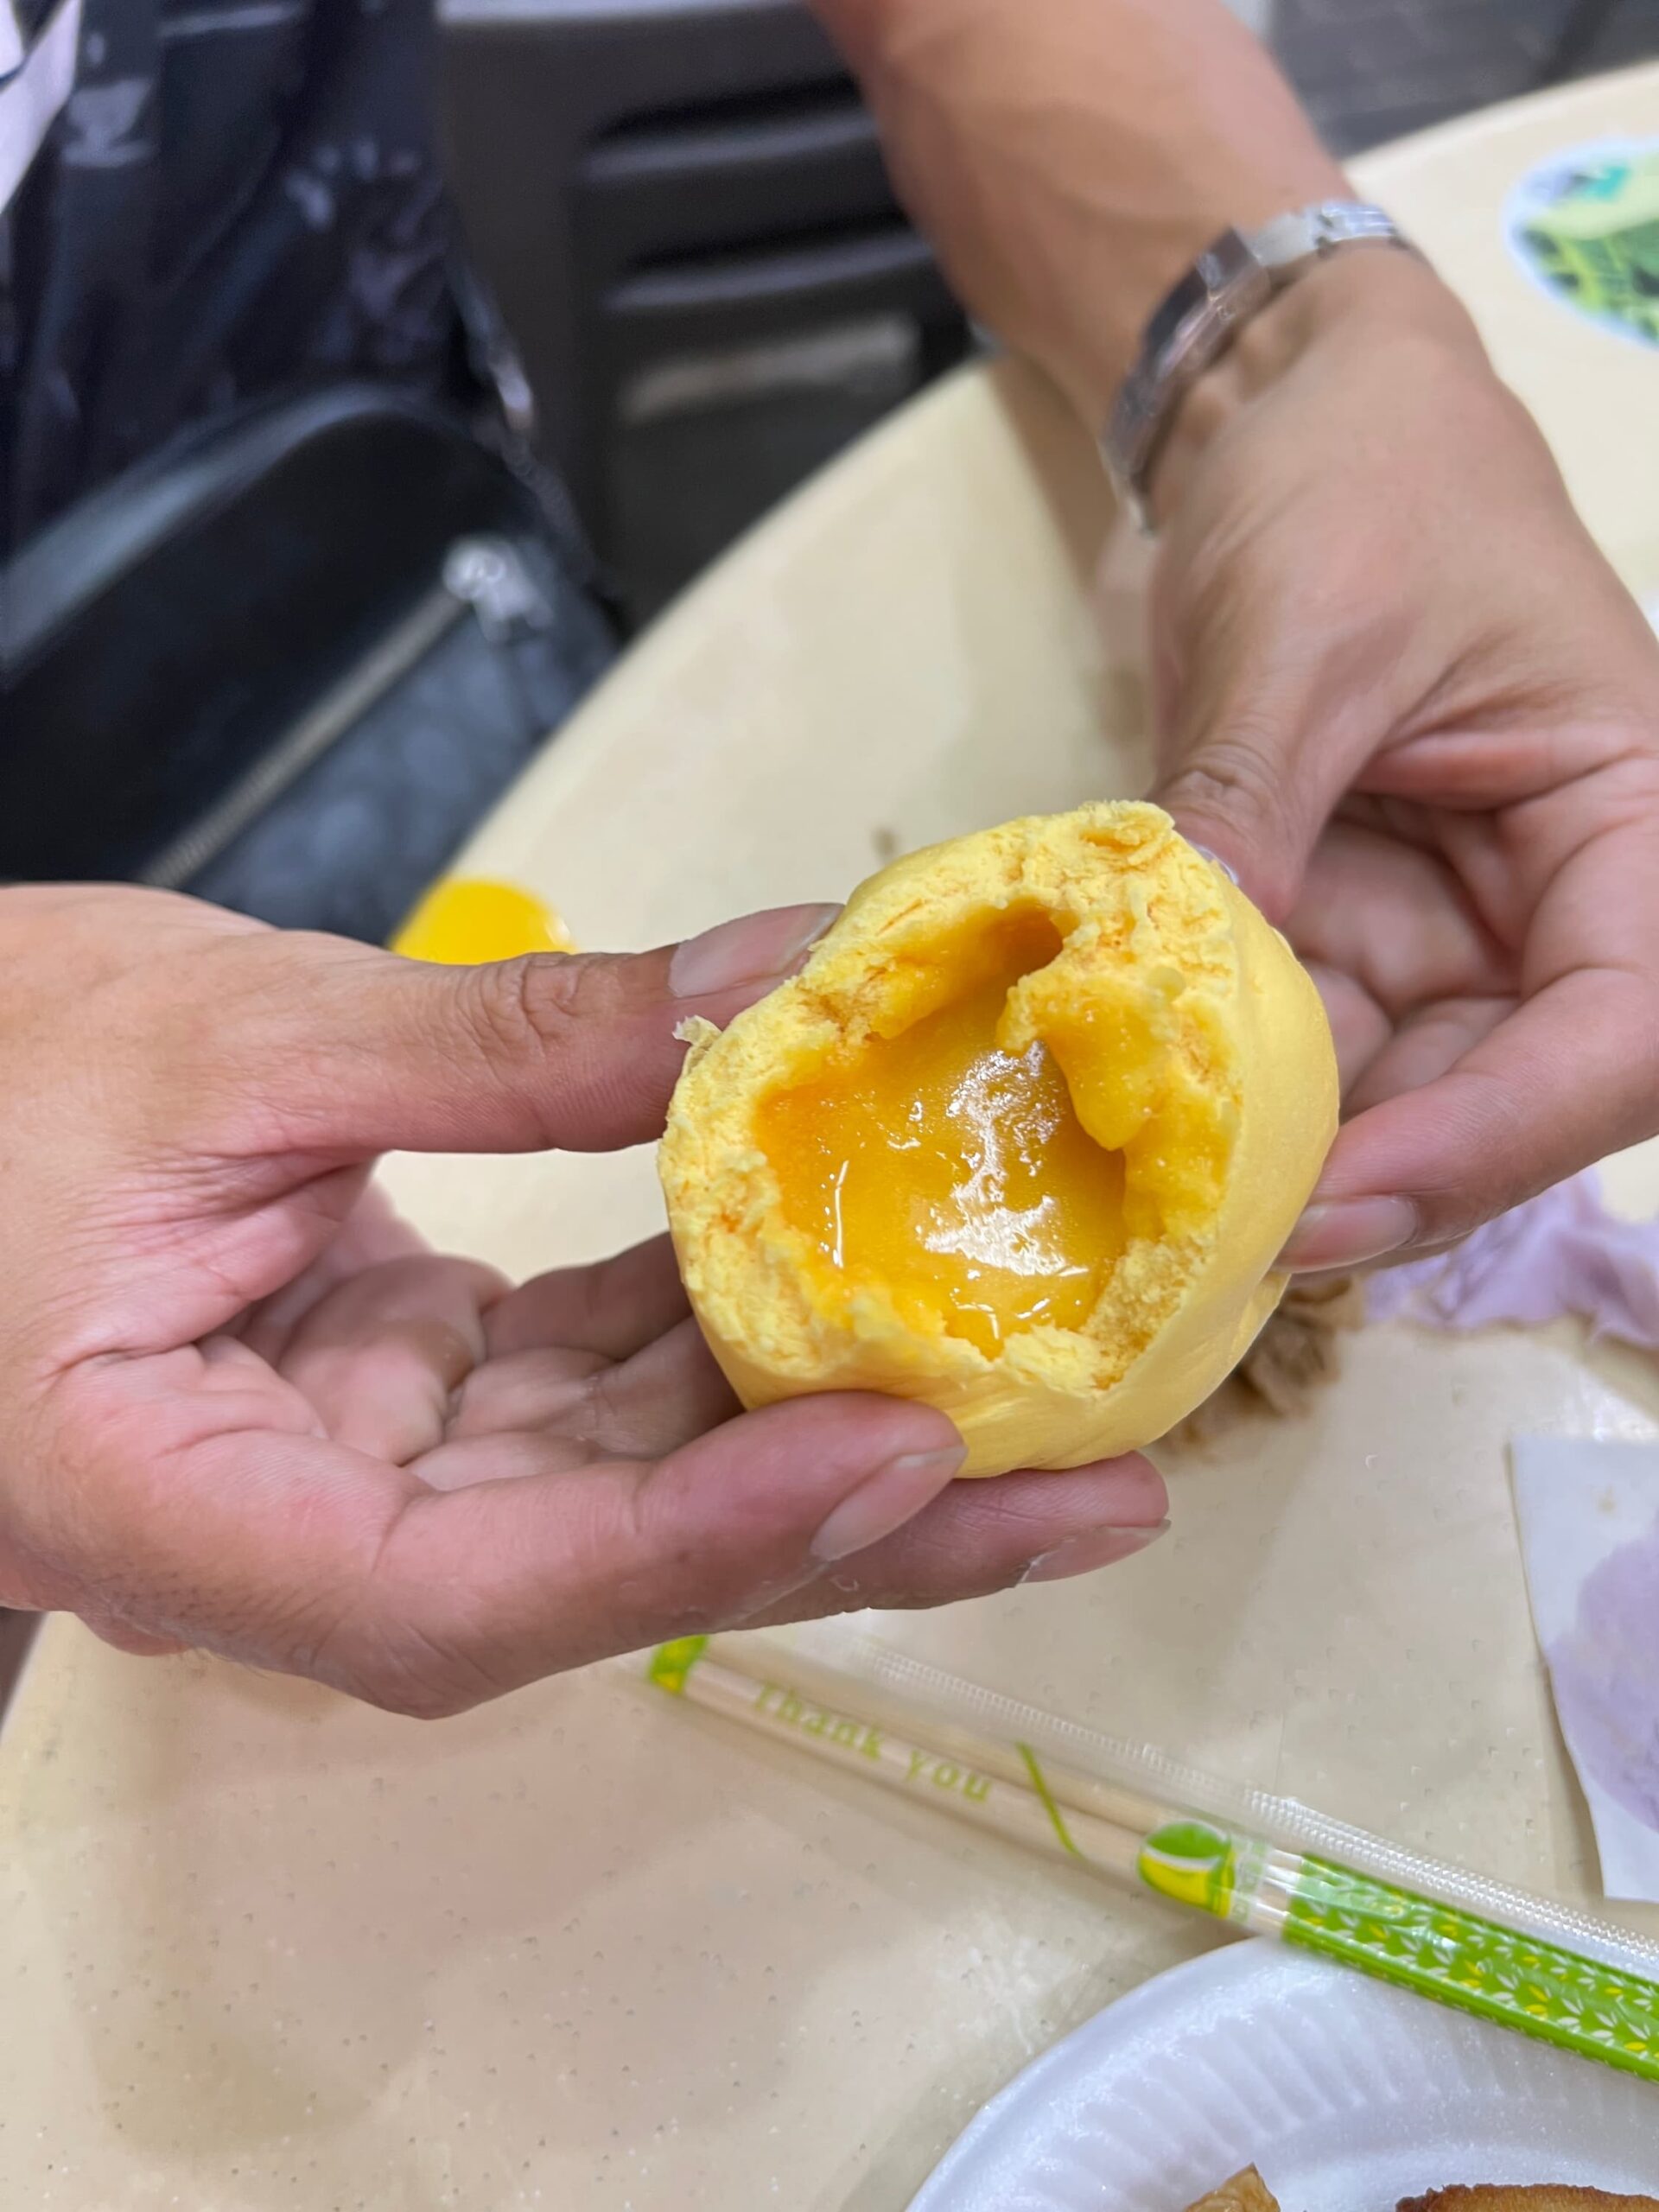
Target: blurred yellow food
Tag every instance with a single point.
(1023, 1139)
(465, 921)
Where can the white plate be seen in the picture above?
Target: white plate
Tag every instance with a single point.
(1347, 2095)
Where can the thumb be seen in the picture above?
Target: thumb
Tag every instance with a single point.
(485, 1588)
(301, 1554)
(351, 1050)
(1264, 718)
(1251, 796)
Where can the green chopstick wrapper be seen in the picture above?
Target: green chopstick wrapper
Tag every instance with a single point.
(1544, 1970)
(1458, 1958)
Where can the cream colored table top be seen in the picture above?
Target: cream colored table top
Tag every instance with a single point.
(265, 1949)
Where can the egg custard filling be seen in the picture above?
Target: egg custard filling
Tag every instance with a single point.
(1023, 1139)
(985, 1153)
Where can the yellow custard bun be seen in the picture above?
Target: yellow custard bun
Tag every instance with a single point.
(1023, 1139)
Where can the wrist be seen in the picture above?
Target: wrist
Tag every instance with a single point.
(1328, 323)
(1069, 158)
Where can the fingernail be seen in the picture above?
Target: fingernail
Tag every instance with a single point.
(886, 1500)
(1216, 861)
(754, 949)
(1095, 1547)
(1347, 1232)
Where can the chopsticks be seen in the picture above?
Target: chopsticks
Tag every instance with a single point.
(1500, 1969)
(994, 1792)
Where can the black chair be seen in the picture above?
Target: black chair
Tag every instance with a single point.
(1580, 31)
(639, 184)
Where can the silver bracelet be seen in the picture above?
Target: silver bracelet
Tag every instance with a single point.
(1229, 282)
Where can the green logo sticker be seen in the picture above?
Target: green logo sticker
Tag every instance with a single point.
(1191, 1863)
(672, 1662)
(1584, 226)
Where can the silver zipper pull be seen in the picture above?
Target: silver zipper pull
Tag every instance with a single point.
(492, 577)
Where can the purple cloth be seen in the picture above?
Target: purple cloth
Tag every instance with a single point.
(1561, 1253)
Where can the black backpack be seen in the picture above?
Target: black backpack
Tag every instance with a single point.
(288, 664)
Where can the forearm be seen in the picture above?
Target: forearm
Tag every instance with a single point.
(1071, 157)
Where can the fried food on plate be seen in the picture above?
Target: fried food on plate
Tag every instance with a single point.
(1247, 2192)
(1542, 2196)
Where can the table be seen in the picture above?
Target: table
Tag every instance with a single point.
(583, 1950)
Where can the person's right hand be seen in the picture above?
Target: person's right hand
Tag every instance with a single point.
(243, 1407)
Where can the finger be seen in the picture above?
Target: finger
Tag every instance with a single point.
(514, 1455)
(1572, 1075)
(1258, 750)
(1359, 1028)
(1279, 678)
(491, 1586)
(979, 1537)
(1425, 1048)
(350, 1050)
(293, 1552)
(382, 1356)
(132, 1640)
(372, 1231)
(1397, 920)
(642, 1408)
(614, 1307)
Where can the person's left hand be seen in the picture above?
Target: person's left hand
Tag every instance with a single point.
(242, 1408)
(1403, 695)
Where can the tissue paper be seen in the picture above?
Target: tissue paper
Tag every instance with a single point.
(1589, 1520)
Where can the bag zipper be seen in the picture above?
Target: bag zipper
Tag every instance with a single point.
(486, 576)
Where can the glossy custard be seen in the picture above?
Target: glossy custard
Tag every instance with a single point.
(953, 1171)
